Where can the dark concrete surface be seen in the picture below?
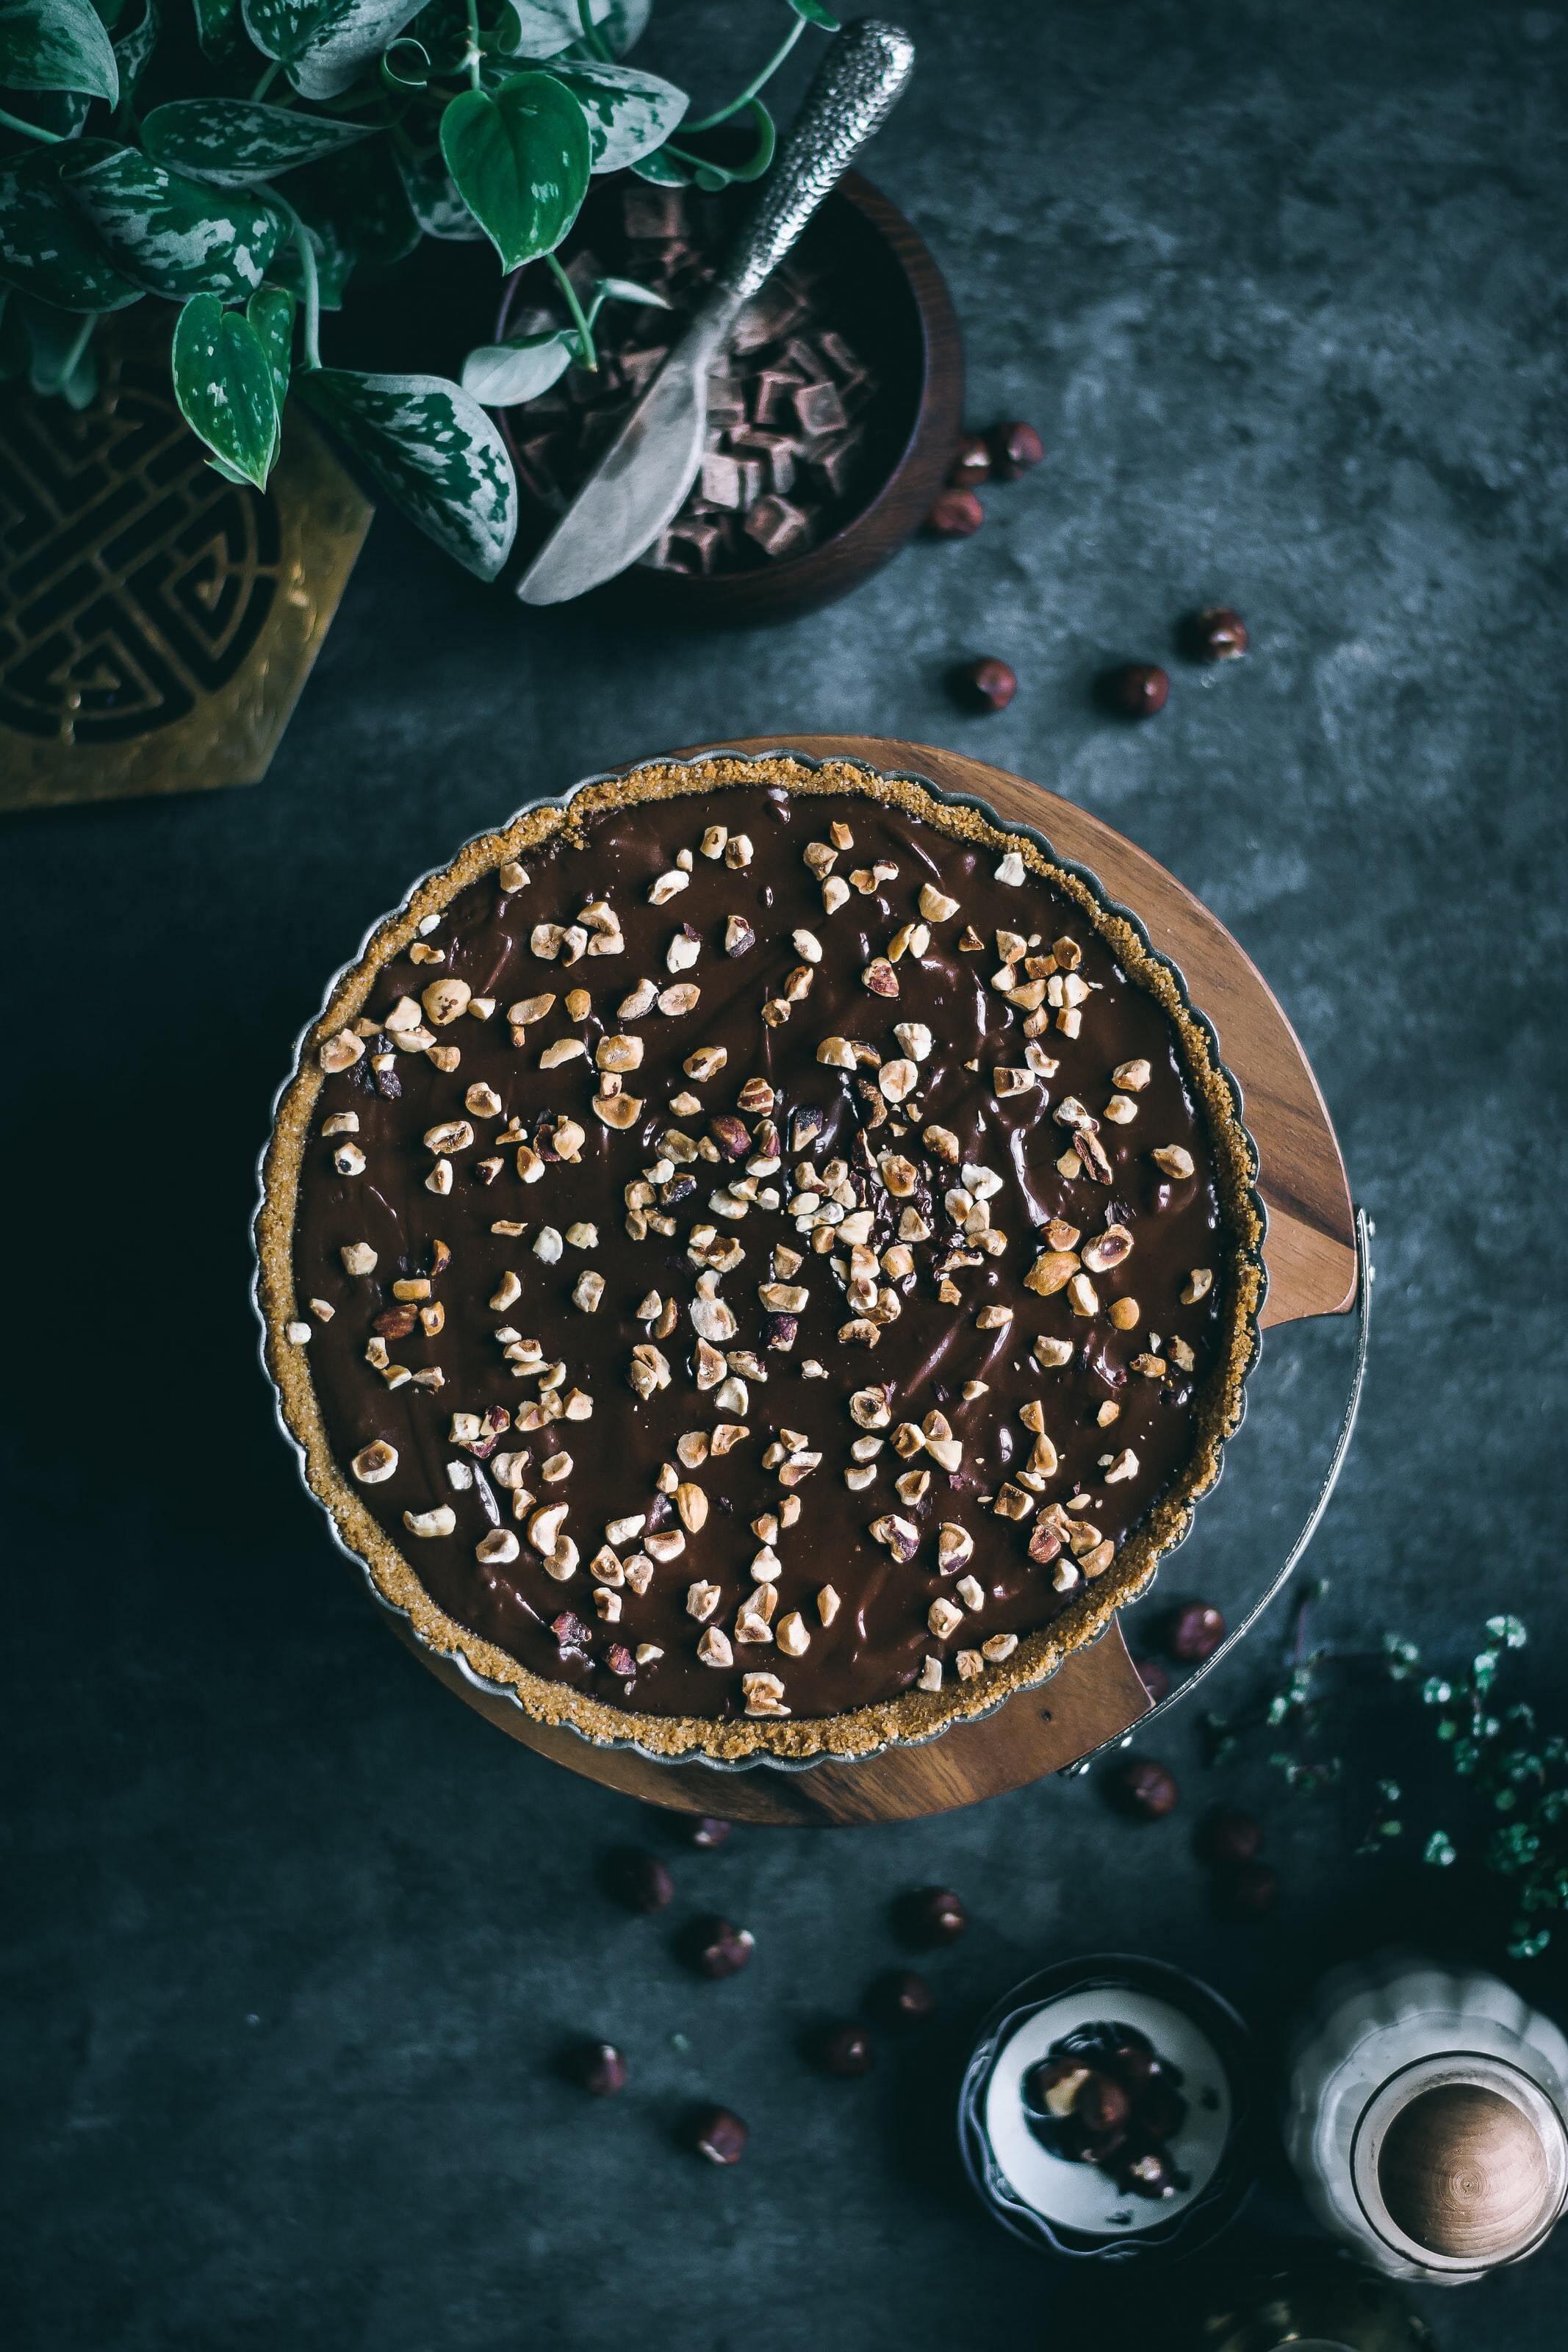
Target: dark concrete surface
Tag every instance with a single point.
(295, 1941)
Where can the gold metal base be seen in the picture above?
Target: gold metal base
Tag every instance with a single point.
(156, 622)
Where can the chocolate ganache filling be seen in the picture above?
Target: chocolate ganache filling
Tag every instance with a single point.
(763, 1256)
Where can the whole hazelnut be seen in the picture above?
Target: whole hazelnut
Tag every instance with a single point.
(1144, 1789)
(1225, 1837)
(1102, 2104)
(718, 2133)
(599, 2067)
(706, 1831)
(930, 1915)
(972, 463)
(845, 2049)
(957, 514)
(902, 1998)
(1215, 635)
(638, 1880)
(1138, 690)
(714, 1948)
(1194, 1632)
(985, 685)
(1154, 1677)
(1247, 1891)
(1014, 449)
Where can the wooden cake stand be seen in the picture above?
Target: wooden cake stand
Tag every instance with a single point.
(1311, 1256)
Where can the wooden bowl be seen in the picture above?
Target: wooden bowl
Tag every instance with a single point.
(905, 329)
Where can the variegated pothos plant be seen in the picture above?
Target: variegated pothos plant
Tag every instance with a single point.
(242, 157)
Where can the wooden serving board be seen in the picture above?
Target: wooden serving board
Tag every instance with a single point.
(1312, 1260)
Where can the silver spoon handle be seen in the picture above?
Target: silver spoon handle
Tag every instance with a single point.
(863, 72)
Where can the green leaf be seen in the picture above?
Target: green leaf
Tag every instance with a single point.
(133, 50)
(175, 235)
(628, 113)
(621, 289)
(542, 28)
(56, 44)
(664, 171)
(521, 162)
(815, 13)
(405, 65)
(270, 311)
(46, 247)
(224, 387)
(232, 141)
(434, 202)
(433, 450)
(218, 28)
(500, 375)
(325, 44)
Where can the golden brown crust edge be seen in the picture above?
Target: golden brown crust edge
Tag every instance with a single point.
(913, 1716)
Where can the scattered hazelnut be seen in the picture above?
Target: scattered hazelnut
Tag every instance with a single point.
(719, 2135)
(714, 1948)
(902, 1998)
(1138, 690)
(985, 685)
(844, 2050)
(1144, 1789)
(599, 2067)
(639, 1880)
(1226, 1838)
(1015, 448)
(1214, 634)
(971, 464)
(930, 1915)
(957, 514)
(1247, 1891)
(707, 1832)
(1194, 1632)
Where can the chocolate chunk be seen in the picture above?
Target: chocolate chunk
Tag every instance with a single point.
(819, 409)
(773, 393)
(777, 526)
(776, 454)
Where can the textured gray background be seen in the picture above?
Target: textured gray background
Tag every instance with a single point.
(299, 1939)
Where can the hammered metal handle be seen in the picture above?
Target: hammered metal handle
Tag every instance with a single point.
(860, 76)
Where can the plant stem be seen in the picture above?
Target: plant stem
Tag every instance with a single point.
(708, 122)
(267, 79)
(306, 253)
(591, 32)
(29, 130)
(472, 60)
(72, 360)
(584, 332)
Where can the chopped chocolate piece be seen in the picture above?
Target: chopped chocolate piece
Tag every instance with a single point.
(776, 526)
(773, 393)
(833, 463)
(767, 316)
(775, 451)
(840, 357)
(804, 359)
(819, 409)
(641, 365)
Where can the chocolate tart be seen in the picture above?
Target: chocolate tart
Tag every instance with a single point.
(760, 1259)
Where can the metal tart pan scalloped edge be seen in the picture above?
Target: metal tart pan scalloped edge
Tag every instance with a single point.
(1252, 1254)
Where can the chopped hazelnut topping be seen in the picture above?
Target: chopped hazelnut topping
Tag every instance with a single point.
(1174, 1160)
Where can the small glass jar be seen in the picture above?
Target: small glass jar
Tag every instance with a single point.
(1023, 2168)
